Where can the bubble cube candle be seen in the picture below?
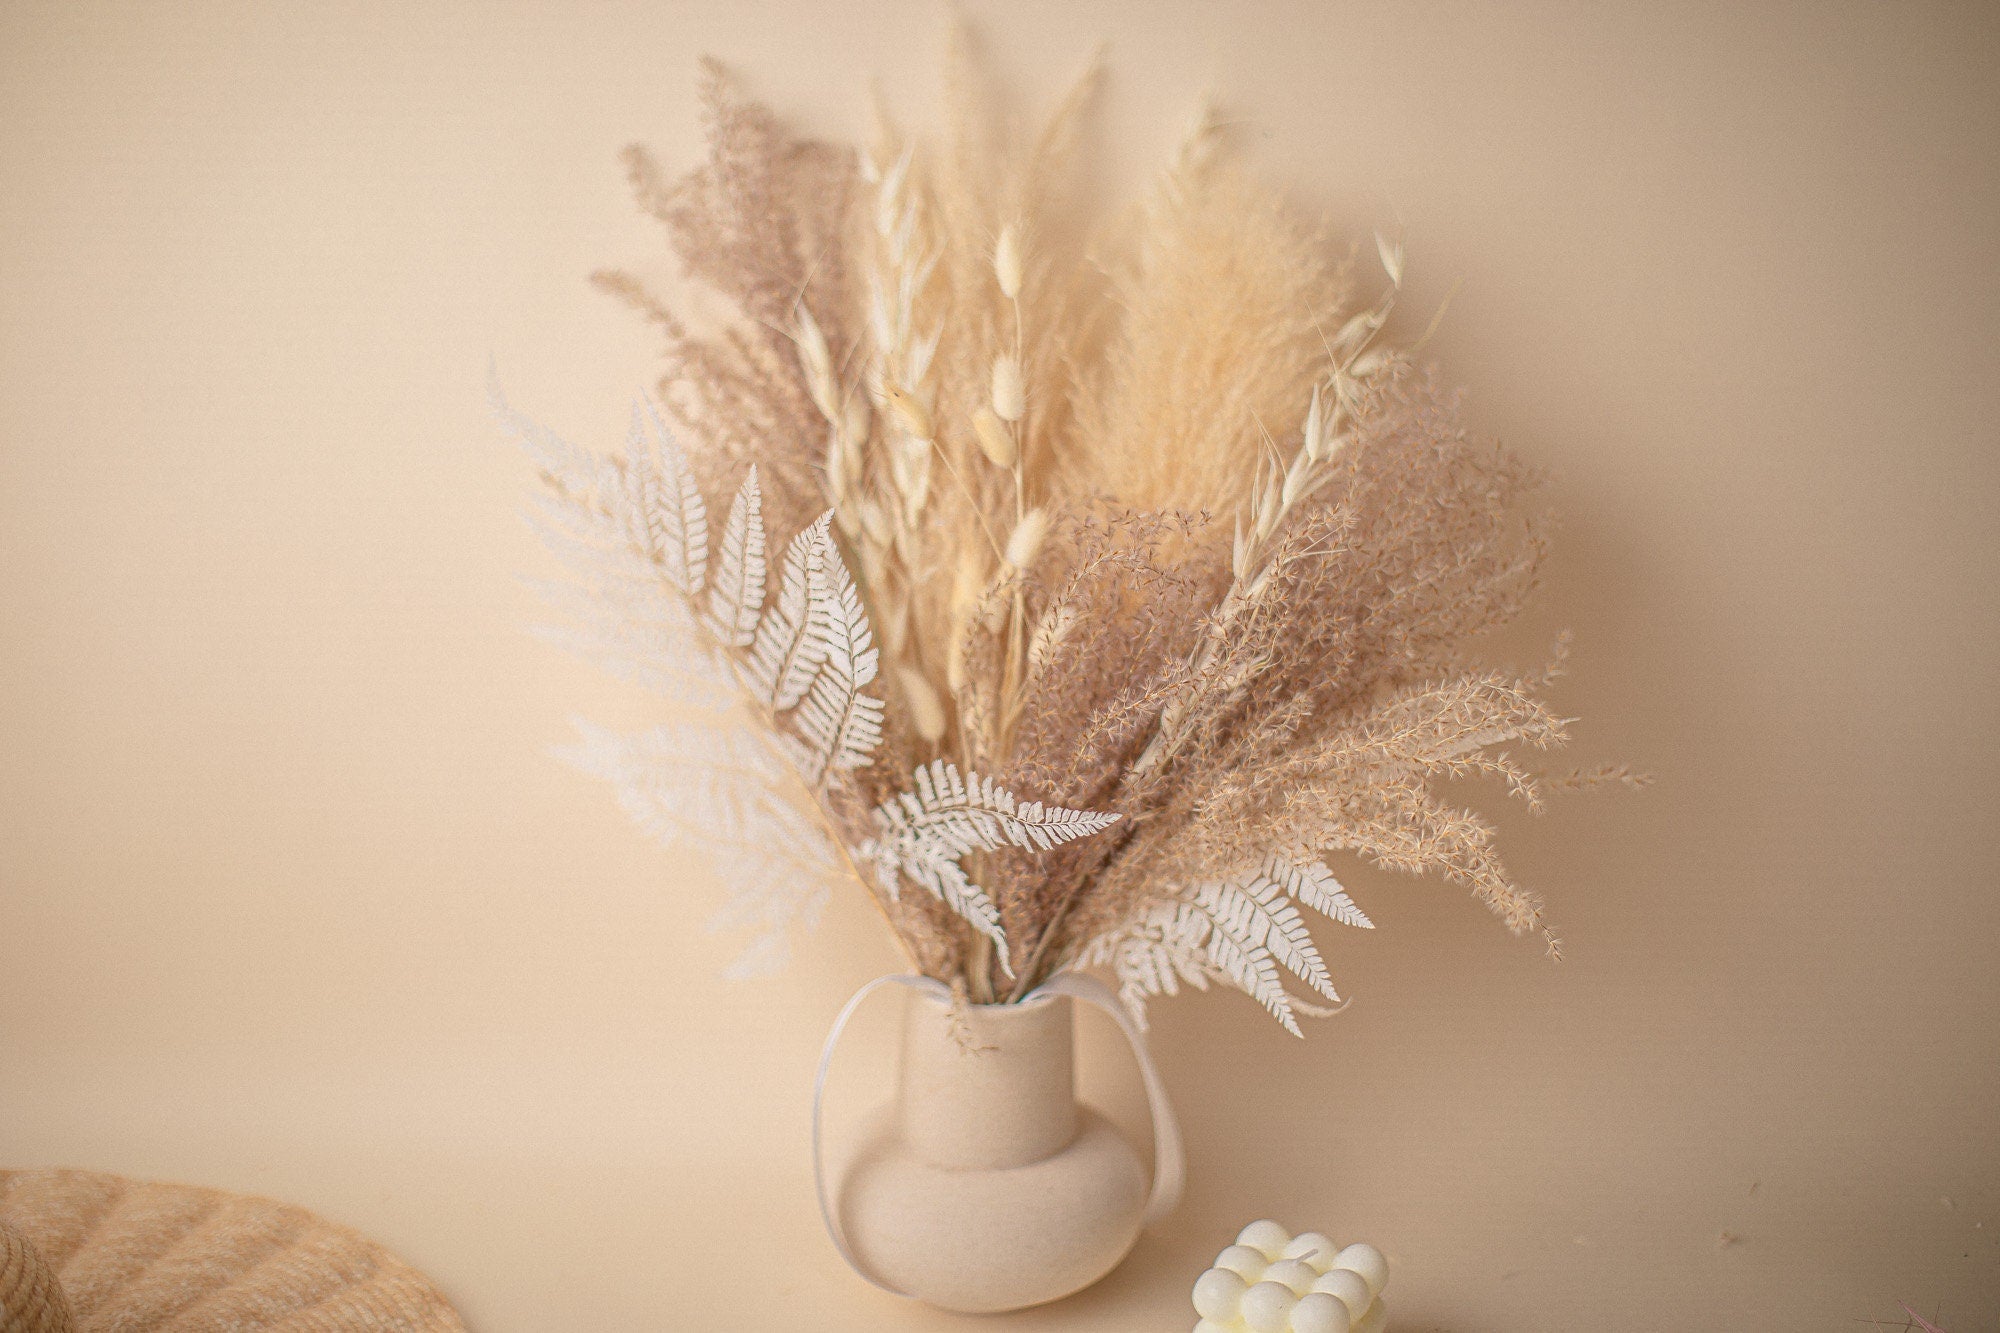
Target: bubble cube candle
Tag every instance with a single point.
(1271, 1281)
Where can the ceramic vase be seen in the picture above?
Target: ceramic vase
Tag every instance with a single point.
(984, 1186)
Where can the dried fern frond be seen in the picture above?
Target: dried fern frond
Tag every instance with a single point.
(769, 813)
(925, 834)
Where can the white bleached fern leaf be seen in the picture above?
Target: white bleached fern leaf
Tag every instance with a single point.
(1153, 954)
(782, 661)
(651, 603)
(625, 606)
(839, 725)
(646, 640)
(923, 834)
(1244, 931)
(737, 598)
(665, 516)
(1315, 886)
(717, 789)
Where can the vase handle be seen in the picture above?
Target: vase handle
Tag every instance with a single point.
(829, 1216)
(1169, 1159)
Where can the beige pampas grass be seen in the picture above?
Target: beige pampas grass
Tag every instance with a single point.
(1190, 558)
(1224, 337)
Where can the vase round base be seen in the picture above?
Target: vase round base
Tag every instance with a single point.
(986, 1241)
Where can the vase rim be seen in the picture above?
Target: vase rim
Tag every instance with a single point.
(1028, 1002)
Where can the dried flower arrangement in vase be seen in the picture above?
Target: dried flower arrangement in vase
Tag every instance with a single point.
(1112, 594)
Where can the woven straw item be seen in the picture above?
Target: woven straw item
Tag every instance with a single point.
(31, 1299)
(133, 1255)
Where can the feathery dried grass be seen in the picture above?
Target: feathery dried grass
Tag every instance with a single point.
(1226, 312)
(762, 222)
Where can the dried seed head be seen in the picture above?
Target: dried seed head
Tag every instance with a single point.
(1368, 363)
(921, 349)
(968, 577)
(1007, 262)
(1026, 539)
(813, 350)
(916, 497)
(1295, 479)
(993, 611)
(854, 422)
(893, 622)
(881, 326)
(817, 359)
(1269, 506)
(889, 194)
(910, 469)
(1010, 397)
(1049, 634)
(910, 415)
(994, 440)
(926, 709)
(839, 469)
(954, 658)
(874, 522)
(1357, 330)
(1392, 257)
(968, 580)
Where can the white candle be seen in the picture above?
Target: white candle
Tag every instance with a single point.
(1270, 1281)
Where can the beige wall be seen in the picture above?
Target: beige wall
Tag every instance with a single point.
(296, 902)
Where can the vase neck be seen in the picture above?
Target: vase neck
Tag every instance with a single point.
(988, 1086)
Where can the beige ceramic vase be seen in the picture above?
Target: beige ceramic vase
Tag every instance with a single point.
(984, 1186)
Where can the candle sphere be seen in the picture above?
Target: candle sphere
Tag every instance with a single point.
(1265, 1235)
(1246, 1261)
(1294, 1273)
(1349, 1287)
(1320, 1313)
(1368, 1261)
(1218, 1294)
(1314, 1247)
(1267, 1307)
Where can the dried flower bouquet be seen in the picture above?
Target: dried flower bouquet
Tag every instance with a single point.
(1072, 609)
